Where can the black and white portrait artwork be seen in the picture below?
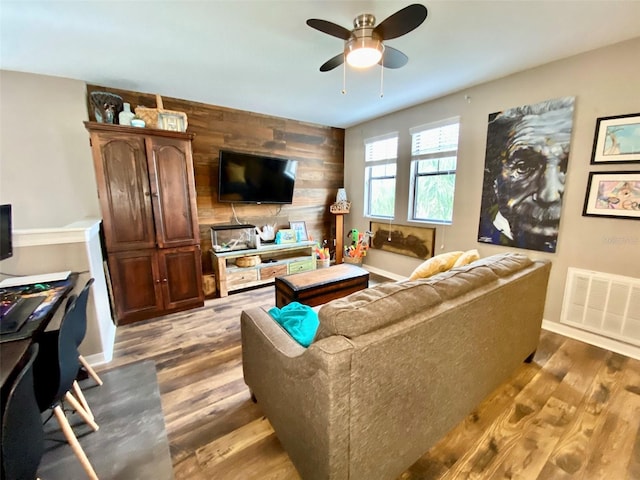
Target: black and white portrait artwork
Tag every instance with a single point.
(524, 175)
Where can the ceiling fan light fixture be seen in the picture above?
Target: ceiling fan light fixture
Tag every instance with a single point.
(363, 52)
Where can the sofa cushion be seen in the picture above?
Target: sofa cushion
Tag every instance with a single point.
(466, 258)
(439, 263)
(387, 303)
(463, 279)
(460, 280)
(300, 321)
(505, 264)
(374, 308)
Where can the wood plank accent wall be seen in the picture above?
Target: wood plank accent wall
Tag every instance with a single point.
(318, 149)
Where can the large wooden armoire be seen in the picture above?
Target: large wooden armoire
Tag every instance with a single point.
(148, 201)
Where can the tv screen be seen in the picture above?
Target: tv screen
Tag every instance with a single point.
(246, 178)
(6, 244)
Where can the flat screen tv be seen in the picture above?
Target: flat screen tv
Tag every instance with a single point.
(6, 244)
(247, 178)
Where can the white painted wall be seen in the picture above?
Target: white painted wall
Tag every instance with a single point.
(46, 169)
(46, 173)
(605, 82)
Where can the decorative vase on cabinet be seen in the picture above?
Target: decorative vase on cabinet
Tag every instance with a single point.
(126, 115)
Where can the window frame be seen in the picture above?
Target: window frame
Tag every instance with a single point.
(370, 164)
(434, 155)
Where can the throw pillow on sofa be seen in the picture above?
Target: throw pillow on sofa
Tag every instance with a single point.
(466, 258)
(437, 264)
(300, 321)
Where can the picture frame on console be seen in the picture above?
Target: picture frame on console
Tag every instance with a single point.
(301, 231)
(286, 235)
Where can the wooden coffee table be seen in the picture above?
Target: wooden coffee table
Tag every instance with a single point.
(320, 286)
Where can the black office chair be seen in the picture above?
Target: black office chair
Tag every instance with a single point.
(55, 370)
(22, 433)
(80, 331)
(82, 306)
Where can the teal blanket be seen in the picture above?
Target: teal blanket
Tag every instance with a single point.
(299, 320)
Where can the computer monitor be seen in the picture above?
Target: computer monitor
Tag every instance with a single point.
(6, 240)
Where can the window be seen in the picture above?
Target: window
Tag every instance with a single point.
(434, 157)
(380, 158)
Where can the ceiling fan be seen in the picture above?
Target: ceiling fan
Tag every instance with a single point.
(363, 46)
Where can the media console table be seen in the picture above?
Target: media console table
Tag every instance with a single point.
(276, 260)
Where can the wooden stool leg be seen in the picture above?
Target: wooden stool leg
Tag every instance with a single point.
(80, 396)
(90, 370)
(81, 411)
(73, 441)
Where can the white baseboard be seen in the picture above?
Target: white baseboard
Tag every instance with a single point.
(593, 339)
(384, 273)
(98, 359)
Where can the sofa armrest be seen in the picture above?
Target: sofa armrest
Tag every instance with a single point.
(258, 319)
(303, 391)
(276, 345)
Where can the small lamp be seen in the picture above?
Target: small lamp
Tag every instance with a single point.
(341, 196)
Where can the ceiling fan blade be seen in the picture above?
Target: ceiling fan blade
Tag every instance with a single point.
(329, 28)
(392, 58)
(332, 63)
(401, 22)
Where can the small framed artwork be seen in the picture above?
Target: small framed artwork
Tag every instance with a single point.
(286, 235)
(301, 231)
(613, 194)
(406, 240)
(617, 139)
(172, 121)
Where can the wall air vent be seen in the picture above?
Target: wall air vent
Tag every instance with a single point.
(603, 303)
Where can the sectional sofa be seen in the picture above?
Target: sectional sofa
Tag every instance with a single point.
(394, 367)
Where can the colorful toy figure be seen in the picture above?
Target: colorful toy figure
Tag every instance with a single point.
(359, 243)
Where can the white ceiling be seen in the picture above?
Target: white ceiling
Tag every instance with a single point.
(260, 55)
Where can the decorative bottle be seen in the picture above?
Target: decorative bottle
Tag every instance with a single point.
(125, 115)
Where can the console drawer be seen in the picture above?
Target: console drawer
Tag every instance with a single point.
(237, 279)
(302, 265)
(273, 271)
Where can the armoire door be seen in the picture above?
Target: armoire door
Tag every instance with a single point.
(173, 192)
(137, 284)
(123, 187)
(181, 277)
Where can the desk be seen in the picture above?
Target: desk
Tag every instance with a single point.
(15, 345)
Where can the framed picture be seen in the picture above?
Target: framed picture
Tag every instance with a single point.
(172, 121)
(613, 194)
(617, 139)
(410, 241)
(286, 235)
(301, 231)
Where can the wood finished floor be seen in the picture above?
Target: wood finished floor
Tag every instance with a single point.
(573, 413)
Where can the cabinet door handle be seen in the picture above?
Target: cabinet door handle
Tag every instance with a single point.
(156, 194)
(165, 280)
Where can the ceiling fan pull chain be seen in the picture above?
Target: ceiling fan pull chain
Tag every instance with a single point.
(381, 80)
(344, 78)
